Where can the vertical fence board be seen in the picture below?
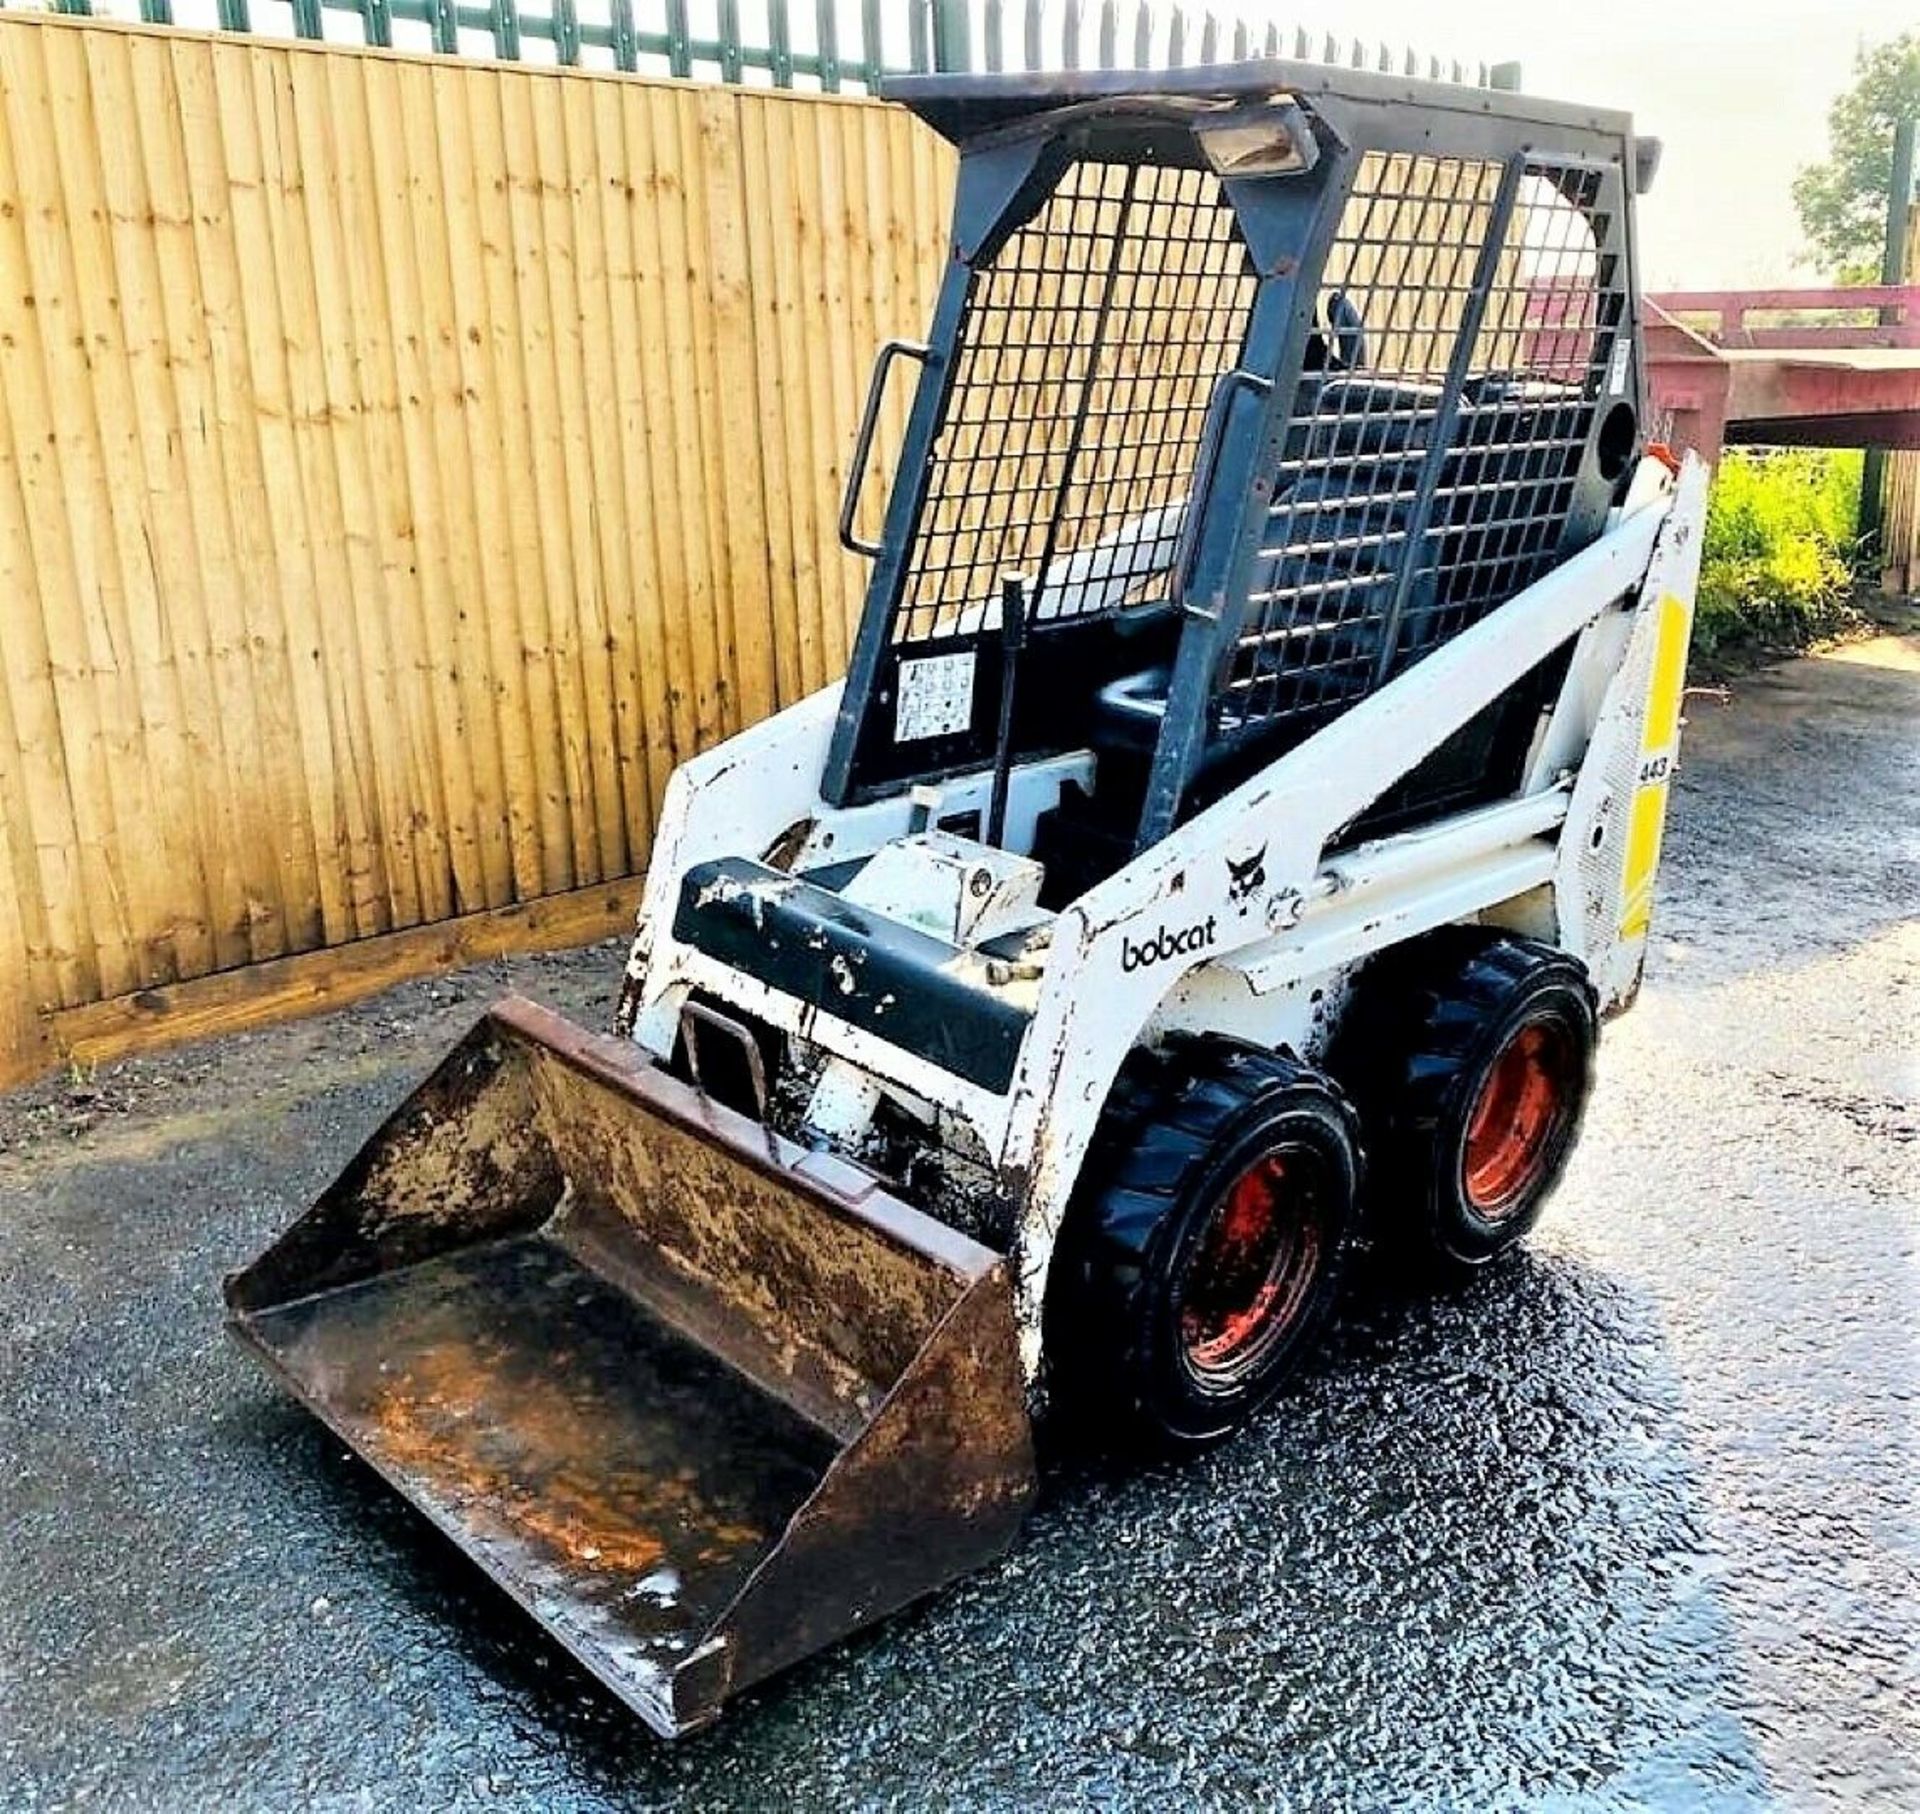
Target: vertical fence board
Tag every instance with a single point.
(66, 497)
(571, 842)
(252, 288)
(442, 198)
(43, 828)
(45, 924)
(697, 332)
(225, 454)
(854, 256)
(367, 383)
(643, 633)
(204, 584)
(740, 405)
(819, 611)
(340, 413)
(169, 617)
(608, 647)
(23, 1039)
(521, 641)
(845, 365)
(147, 733)
(583, 671)
(686, 379)
(680, 565)
(419, 525)
(766, 168)
(326, 478)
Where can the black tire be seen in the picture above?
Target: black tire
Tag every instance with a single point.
(1470, 1054)
(1205, 1244)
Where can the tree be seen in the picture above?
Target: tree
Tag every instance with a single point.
(1843, 199)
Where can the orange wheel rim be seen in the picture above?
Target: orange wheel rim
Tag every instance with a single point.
(1252, 1271)
(1516, 1119)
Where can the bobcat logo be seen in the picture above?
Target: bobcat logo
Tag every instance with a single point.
(1166, 943)
(1247, 878)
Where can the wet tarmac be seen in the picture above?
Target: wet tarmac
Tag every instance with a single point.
(1632, 1523)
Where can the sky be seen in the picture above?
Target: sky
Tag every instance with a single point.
(1738, 90)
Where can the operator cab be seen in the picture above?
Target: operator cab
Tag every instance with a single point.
(1234, 509)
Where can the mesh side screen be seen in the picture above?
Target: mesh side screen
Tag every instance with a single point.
(1347, 514)
(1539, 365)
(1396, 286)
(1090, 348)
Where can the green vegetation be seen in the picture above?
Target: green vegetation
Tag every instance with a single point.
(1778, 567)
(1843, 199)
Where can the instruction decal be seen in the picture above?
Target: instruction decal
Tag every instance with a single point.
(936, 697)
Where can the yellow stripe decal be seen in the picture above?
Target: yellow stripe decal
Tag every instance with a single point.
(1658, 738)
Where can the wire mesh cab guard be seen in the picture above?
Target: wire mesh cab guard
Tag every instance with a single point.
(1269, 379)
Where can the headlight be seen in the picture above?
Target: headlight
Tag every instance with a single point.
(1277, 141)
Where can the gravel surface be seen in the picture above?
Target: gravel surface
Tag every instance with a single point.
(1630, 1523)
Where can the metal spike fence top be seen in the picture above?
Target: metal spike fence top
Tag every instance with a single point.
(831, 46)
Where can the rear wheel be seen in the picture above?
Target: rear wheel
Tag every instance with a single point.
(1470, 1054)
(1203, 1251)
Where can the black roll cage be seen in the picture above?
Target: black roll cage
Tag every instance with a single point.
(1019, 138)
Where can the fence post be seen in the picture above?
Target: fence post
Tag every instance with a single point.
(826, 32)
(732, 68)
(679, 40)
(952, 35)
(1900, 498)
(1893, 269)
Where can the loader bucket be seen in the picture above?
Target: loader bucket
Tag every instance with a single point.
(700, 1400)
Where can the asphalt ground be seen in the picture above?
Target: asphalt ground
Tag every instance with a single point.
(1630, 1523)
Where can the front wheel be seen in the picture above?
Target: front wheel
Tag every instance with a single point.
(1204, 1248)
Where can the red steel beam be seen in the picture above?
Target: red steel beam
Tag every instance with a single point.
(1756, 392)
(1871, 401)
(1729, 310)
(1687, 385)
(1898, 434)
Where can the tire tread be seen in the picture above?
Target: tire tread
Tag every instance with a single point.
(1166, 1120)
(1416, 1019)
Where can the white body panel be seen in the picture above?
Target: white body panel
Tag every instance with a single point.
(1238, 922)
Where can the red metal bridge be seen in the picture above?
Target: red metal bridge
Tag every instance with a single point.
(1785, 368)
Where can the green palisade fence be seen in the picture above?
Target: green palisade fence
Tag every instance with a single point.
(830, 45)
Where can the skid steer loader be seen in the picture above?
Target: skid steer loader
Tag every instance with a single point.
(1240, 812)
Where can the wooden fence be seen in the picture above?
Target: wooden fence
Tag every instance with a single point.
(1900, 527)
(402, 464)
(1900, 503)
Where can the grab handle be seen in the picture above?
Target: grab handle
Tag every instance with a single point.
(1212, 433)
(863, 442)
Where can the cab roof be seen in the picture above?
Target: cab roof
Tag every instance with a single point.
(960, 107)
